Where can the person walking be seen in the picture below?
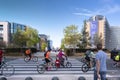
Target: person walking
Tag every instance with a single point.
(101, 68)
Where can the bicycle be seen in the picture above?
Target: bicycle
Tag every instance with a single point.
(66, 63)
(41, 68)
(33, 58)
(6, 69)
(86, 66)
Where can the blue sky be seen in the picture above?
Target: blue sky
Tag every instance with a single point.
(50, 17)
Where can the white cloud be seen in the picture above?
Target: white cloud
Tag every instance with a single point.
(104, 11)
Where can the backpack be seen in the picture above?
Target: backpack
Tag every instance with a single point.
(45, 54)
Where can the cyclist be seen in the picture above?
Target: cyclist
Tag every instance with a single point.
(28, 53)
(61, 56)
(48, 58)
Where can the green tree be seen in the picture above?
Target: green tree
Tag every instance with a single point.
(32, 36)
(19, 39)
(71, 36)
(62, 44)
(43, 46)
(97, 39)
(85, 40)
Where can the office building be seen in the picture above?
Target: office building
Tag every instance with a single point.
(98, 25)
(7, 30)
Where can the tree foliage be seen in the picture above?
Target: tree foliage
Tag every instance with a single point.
(97, 39)
(43, 46)
(19, 39)
(32, 36)
(85, 36)
(2, 44)
(28, 38)
(71, 36)
(62, 44)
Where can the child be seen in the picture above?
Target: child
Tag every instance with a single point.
(57, 62)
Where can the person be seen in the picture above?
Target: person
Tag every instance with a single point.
(61, 56)
(87, 57)
(57, 62)
(101, 68)
(48, 59)
(1, 55)
(28, 53)
(92, 59)
(114, 52)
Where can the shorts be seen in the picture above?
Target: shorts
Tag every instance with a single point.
(47, 60)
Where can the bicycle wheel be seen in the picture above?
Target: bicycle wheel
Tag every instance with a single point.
(41, 69)
(54, 66)
(27, 59)
(35, 58)
(8, 70)
(68, 64)
(85, 67)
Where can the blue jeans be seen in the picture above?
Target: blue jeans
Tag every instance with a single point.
(102, 75)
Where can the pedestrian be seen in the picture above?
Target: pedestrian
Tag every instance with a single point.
(101, 68)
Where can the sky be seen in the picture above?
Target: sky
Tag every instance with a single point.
(50, 17)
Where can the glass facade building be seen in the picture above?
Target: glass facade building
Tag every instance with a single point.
(110, 34)
(7, 29)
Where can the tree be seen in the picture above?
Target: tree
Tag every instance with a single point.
(62, 44)
(97, 39)
(43, 46)
(85, 37)
(71, 36)
(19, 39)
(32, 36)
(2, 44)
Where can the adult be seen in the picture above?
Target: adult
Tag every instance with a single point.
(28, 53)
(48, 59)
(100, 58)
(61, 57)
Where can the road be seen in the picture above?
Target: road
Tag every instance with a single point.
(23, 70)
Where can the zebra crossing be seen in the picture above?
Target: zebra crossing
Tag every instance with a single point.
(23, 69)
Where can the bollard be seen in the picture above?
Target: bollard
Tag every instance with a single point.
(28, 78)
(3, 78)
(81, 78)
(55, 78)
